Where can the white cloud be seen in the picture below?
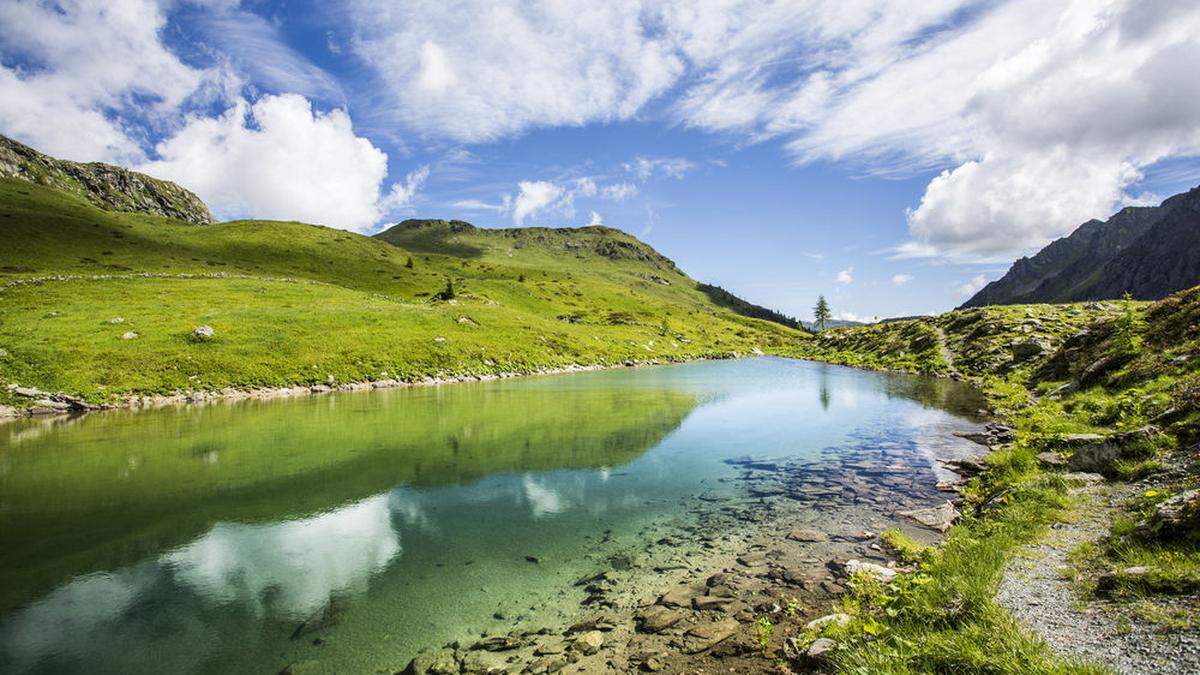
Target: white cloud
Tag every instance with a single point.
(92, 66)
(619, 192)
(648, 167)
(901, 279)
(846, 276)
(278, 158)
(972, 286)
(506, 66)
(851, 316)
(595, 220)
(536, 196)
(403, 192)
(1043, 112)
(503, 206)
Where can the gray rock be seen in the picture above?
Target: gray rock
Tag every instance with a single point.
(1023, 350)
(836, 619)
(938, 518)
(820, 649)
(1052, 459)
(129, 336)
(1177, 516)
(879, 572)
(485, 662)
(1099, 456)
(203, 332)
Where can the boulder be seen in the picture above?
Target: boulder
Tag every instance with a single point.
(938, 518)
(1052, 460)
(1179, 515)
(1099, 456)
(836, 619)
(1023, 350)
(479, 662)
(588, 643)
(657, 618)
(203, 332)
(878, 572)
(820, 650)
(129, 336)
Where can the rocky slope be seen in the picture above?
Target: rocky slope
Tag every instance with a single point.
(104, 185)
(1148, 252)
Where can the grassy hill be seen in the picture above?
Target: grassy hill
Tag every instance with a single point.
(298, 304)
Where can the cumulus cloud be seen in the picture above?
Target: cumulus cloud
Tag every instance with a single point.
(89, 67)
(972, 285)
(535, 196)
(595, 219)
(1042, 113)
(846, 276)
(901, 279)
(506, 66)
(279, 158)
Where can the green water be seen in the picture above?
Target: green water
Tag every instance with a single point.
(351, 530)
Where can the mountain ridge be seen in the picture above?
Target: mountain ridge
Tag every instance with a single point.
(107, 186)
(1146, 251)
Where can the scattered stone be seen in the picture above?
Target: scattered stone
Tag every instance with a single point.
(1023, 350)
(837, 619)
(1177, 516)
(1099, 456)
(533, 559)
(680, 596)
(755, 559)
(820, 649)
(1052, 460)
(203, 332)
(588, 643)
(884, 574)
(706, 602)
(438, 662)
(117, 319)
(129, 336)
(1075, 440)
(710, 634)
(807, 535)
(656, 619)
(484, 662)
(498, 643)
(547, 664)
(1110, 581)
(938, 518)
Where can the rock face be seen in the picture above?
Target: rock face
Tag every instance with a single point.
(108, 187)
(1176, 517)
(1146, 251)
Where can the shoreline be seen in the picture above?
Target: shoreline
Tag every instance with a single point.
(53, 405)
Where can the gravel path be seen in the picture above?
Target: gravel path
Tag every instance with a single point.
(1035, 592)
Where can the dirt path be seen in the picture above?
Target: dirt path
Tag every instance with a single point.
(947, 355)
(1035, 590)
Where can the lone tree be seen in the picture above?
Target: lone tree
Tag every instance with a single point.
(821, 312)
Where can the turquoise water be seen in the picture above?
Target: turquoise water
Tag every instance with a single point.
(349, 531)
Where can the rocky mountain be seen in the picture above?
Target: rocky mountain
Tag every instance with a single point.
(1148, 252)
(104, 185)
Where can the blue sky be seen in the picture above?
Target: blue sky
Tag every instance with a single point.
(893, 156)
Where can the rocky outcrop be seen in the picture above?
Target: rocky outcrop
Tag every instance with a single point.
(104, 185)
(1146, 251)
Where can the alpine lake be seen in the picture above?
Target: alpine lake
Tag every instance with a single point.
(347, 532)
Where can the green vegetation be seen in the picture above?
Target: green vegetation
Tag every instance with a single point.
(296, 304)
(821, 313)
(1052, 372)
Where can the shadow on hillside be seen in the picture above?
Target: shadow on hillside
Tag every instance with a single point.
(441, 241)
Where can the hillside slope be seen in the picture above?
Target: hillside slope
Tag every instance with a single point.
(103, 304)
(107, 186)
(1148, 252)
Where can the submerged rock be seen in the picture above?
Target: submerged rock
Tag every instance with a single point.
(807, 535)
(437, 662)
